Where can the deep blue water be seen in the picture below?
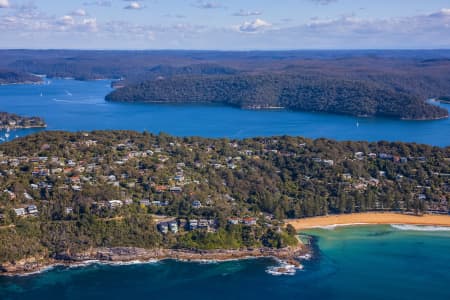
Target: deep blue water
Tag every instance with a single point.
(76, 105)
(369, 262)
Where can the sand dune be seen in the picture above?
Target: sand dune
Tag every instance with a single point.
(370, 218)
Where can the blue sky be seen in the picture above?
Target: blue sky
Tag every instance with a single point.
(225, 24)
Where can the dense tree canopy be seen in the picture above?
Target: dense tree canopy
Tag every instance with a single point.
(309, 93)
(264, 179)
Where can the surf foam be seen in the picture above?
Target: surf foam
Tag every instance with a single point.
(419, 227)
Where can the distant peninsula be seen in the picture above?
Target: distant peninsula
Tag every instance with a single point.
(17, 77)
(13, 121)
(290, 91)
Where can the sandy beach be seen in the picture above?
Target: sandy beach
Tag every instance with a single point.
(370, 218)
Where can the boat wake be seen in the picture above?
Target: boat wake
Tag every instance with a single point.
(89, 101)
(419, 227)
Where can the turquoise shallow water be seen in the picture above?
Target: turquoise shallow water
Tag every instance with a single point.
(76, 105)
(368, 262)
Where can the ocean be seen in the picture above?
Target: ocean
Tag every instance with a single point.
(79, 105)
(363, 262)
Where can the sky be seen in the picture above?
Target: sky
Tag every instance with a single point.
(225, 24)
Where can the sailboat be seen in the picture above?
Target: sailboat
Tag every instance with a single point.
(357, 124)
(41, 94)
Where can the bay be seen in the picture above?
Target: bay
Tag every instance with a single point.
(73, 105)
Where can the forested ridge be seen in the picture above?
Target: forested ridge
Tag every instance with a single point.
(297, 92)
(67, 192)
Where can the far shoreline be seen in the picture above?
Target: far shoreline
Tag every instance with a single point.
(370, 218)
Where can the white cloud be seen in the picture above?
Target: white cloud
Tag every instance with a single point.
(323, 2)
(66, 21)
(4, 3)
(442, 13)
(134, 5)
(207, 4)
(79, 12)
(420, 31)
(104, 3)
(89, 24)
(247, 13)
(254, 26)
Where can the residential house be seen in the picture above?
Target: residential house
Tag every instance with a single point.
(196, 204)
(144, 202)
(372, 155)
(161, 188)
(422, 197)
(76, 188)
(27, 196)
(176, 189)
(11, 195)
(193, 224)
(115, 204)
(32, 210)
(173, 226)
(328, 162)
(359, 155)
(20, 212)
(234, 221)
(163, 227)
(346, 176)
(179, 177)
(249, 221)
(203, 224)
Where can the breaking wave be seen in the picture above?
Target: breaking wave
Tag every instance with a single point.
(334, 226)
(420, 228)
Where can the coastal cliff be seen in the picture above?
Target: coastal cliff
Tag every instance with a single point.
(31, 265)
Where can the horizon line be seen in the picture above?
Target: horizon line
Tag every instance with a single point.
(226, 50)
